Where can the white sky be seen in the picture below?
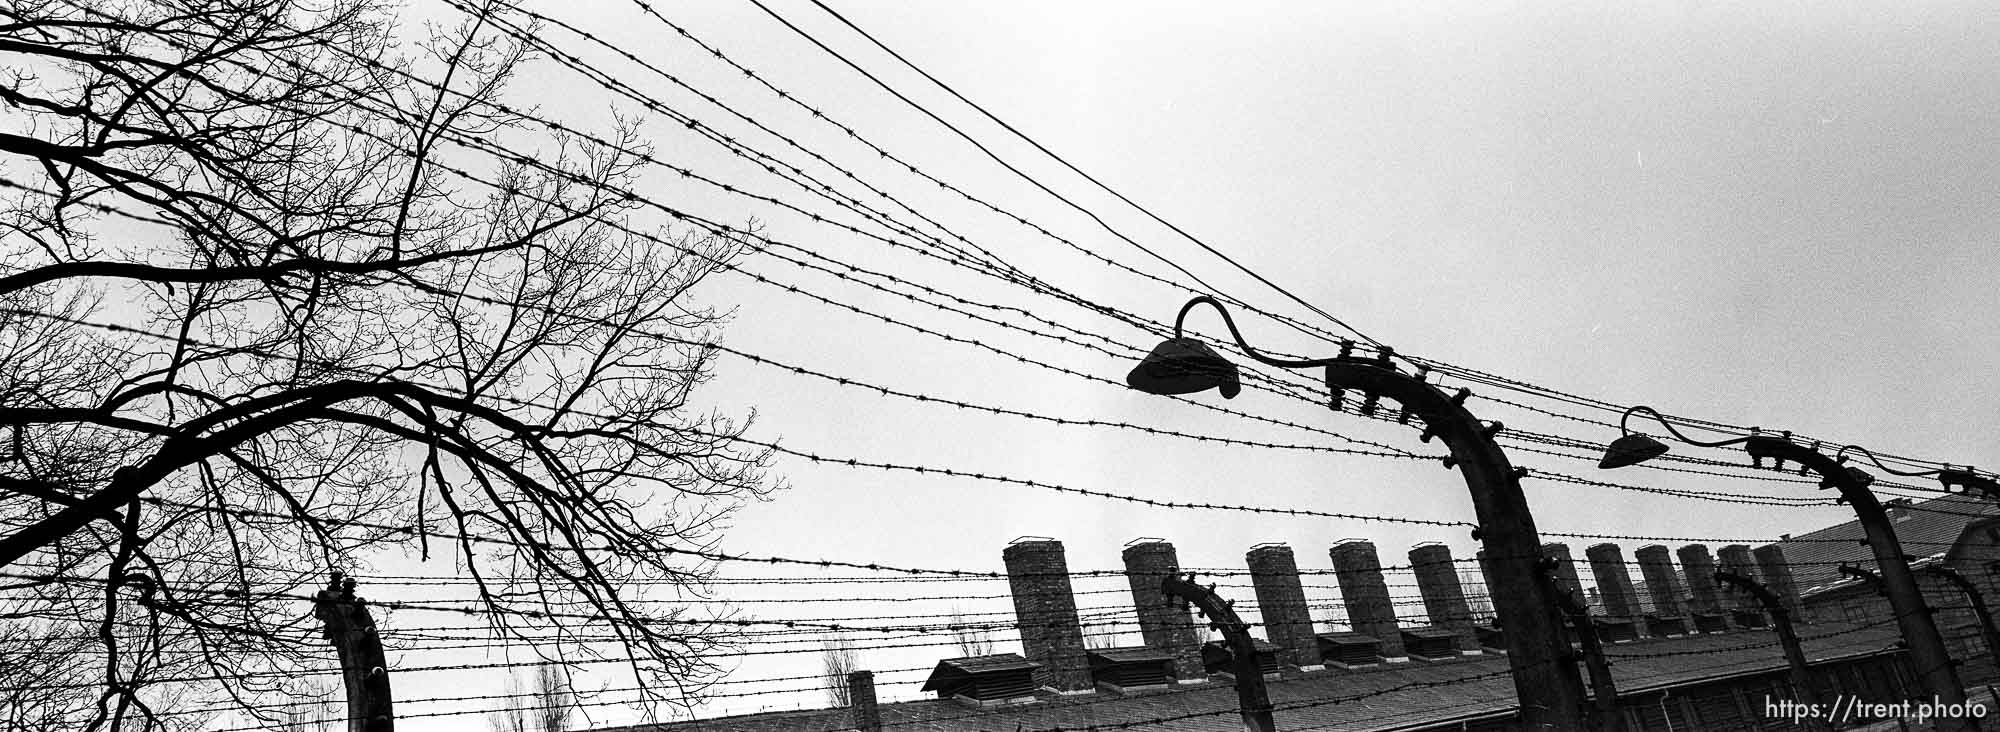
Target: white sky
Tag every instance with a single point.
(1761, 213)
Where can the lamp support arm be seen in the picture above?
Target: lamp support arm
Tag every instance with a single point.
(1181, 319)
(1662, 419)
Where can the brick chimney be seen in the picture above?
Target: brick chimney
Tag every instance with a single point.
(866, 717)
(1281, 602)
(1050, 635)
(1700, 570)
(1369, 609)
(1444, 599)
(1163, 623)
(1736, 558)
(1485, 573)
(1778, 575)
(1566, 579)
(1614, 585)
(1656, 564)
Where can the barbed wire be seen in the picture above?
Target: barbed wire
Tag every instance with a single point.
(1692, 494)
(1154, 326)
(1516, 385)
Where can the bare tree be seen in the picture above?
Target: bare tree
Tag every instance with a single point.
(320, 710)
(548, 707)
(1477, 598)
(316, 718)
(1095, 640)
(268, 293)
(969, 639)
(45, 679)
(838, 658)
(36, 667)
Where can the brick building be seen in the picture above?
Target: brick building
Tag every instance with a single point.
(1955, 531)
(1682, 659)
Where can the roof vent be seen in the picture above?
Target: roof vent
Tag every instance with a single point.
(1615, 630)
(1001, 678)
(1665, 627)
(1216, 658)
(1711, 622)
(1430, 644)
(1492, 638)
(1349, 650)
(1131, 667)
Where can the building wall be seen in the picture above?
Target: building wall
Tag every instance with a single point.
(1975, 556)
(1853, 603)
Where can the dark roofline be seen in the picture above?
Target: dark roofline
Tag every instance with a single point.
(1462, 720)
(1779, 666)
(1970, 525)
(950, 670)
(1465, 719)
(1837, 588)
(1854, 525)
(1131, 654)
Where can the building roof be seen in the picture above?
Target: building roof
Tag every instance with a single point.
(984, 664)
(1926, 528)
(951, 669)
(1348, 637)
(1382, 697)
(1260, 645)
(1132, 654)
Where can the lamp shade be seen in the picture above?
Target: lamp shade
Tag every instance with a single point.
(1184, 366)
(1631, 449)
(1860, 476)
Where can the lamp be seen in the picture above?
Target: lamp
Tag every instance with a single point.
(1632, 448)
(1184, 366)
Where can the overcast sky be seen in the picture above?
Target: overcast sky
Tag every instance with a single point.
(1775, 214)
